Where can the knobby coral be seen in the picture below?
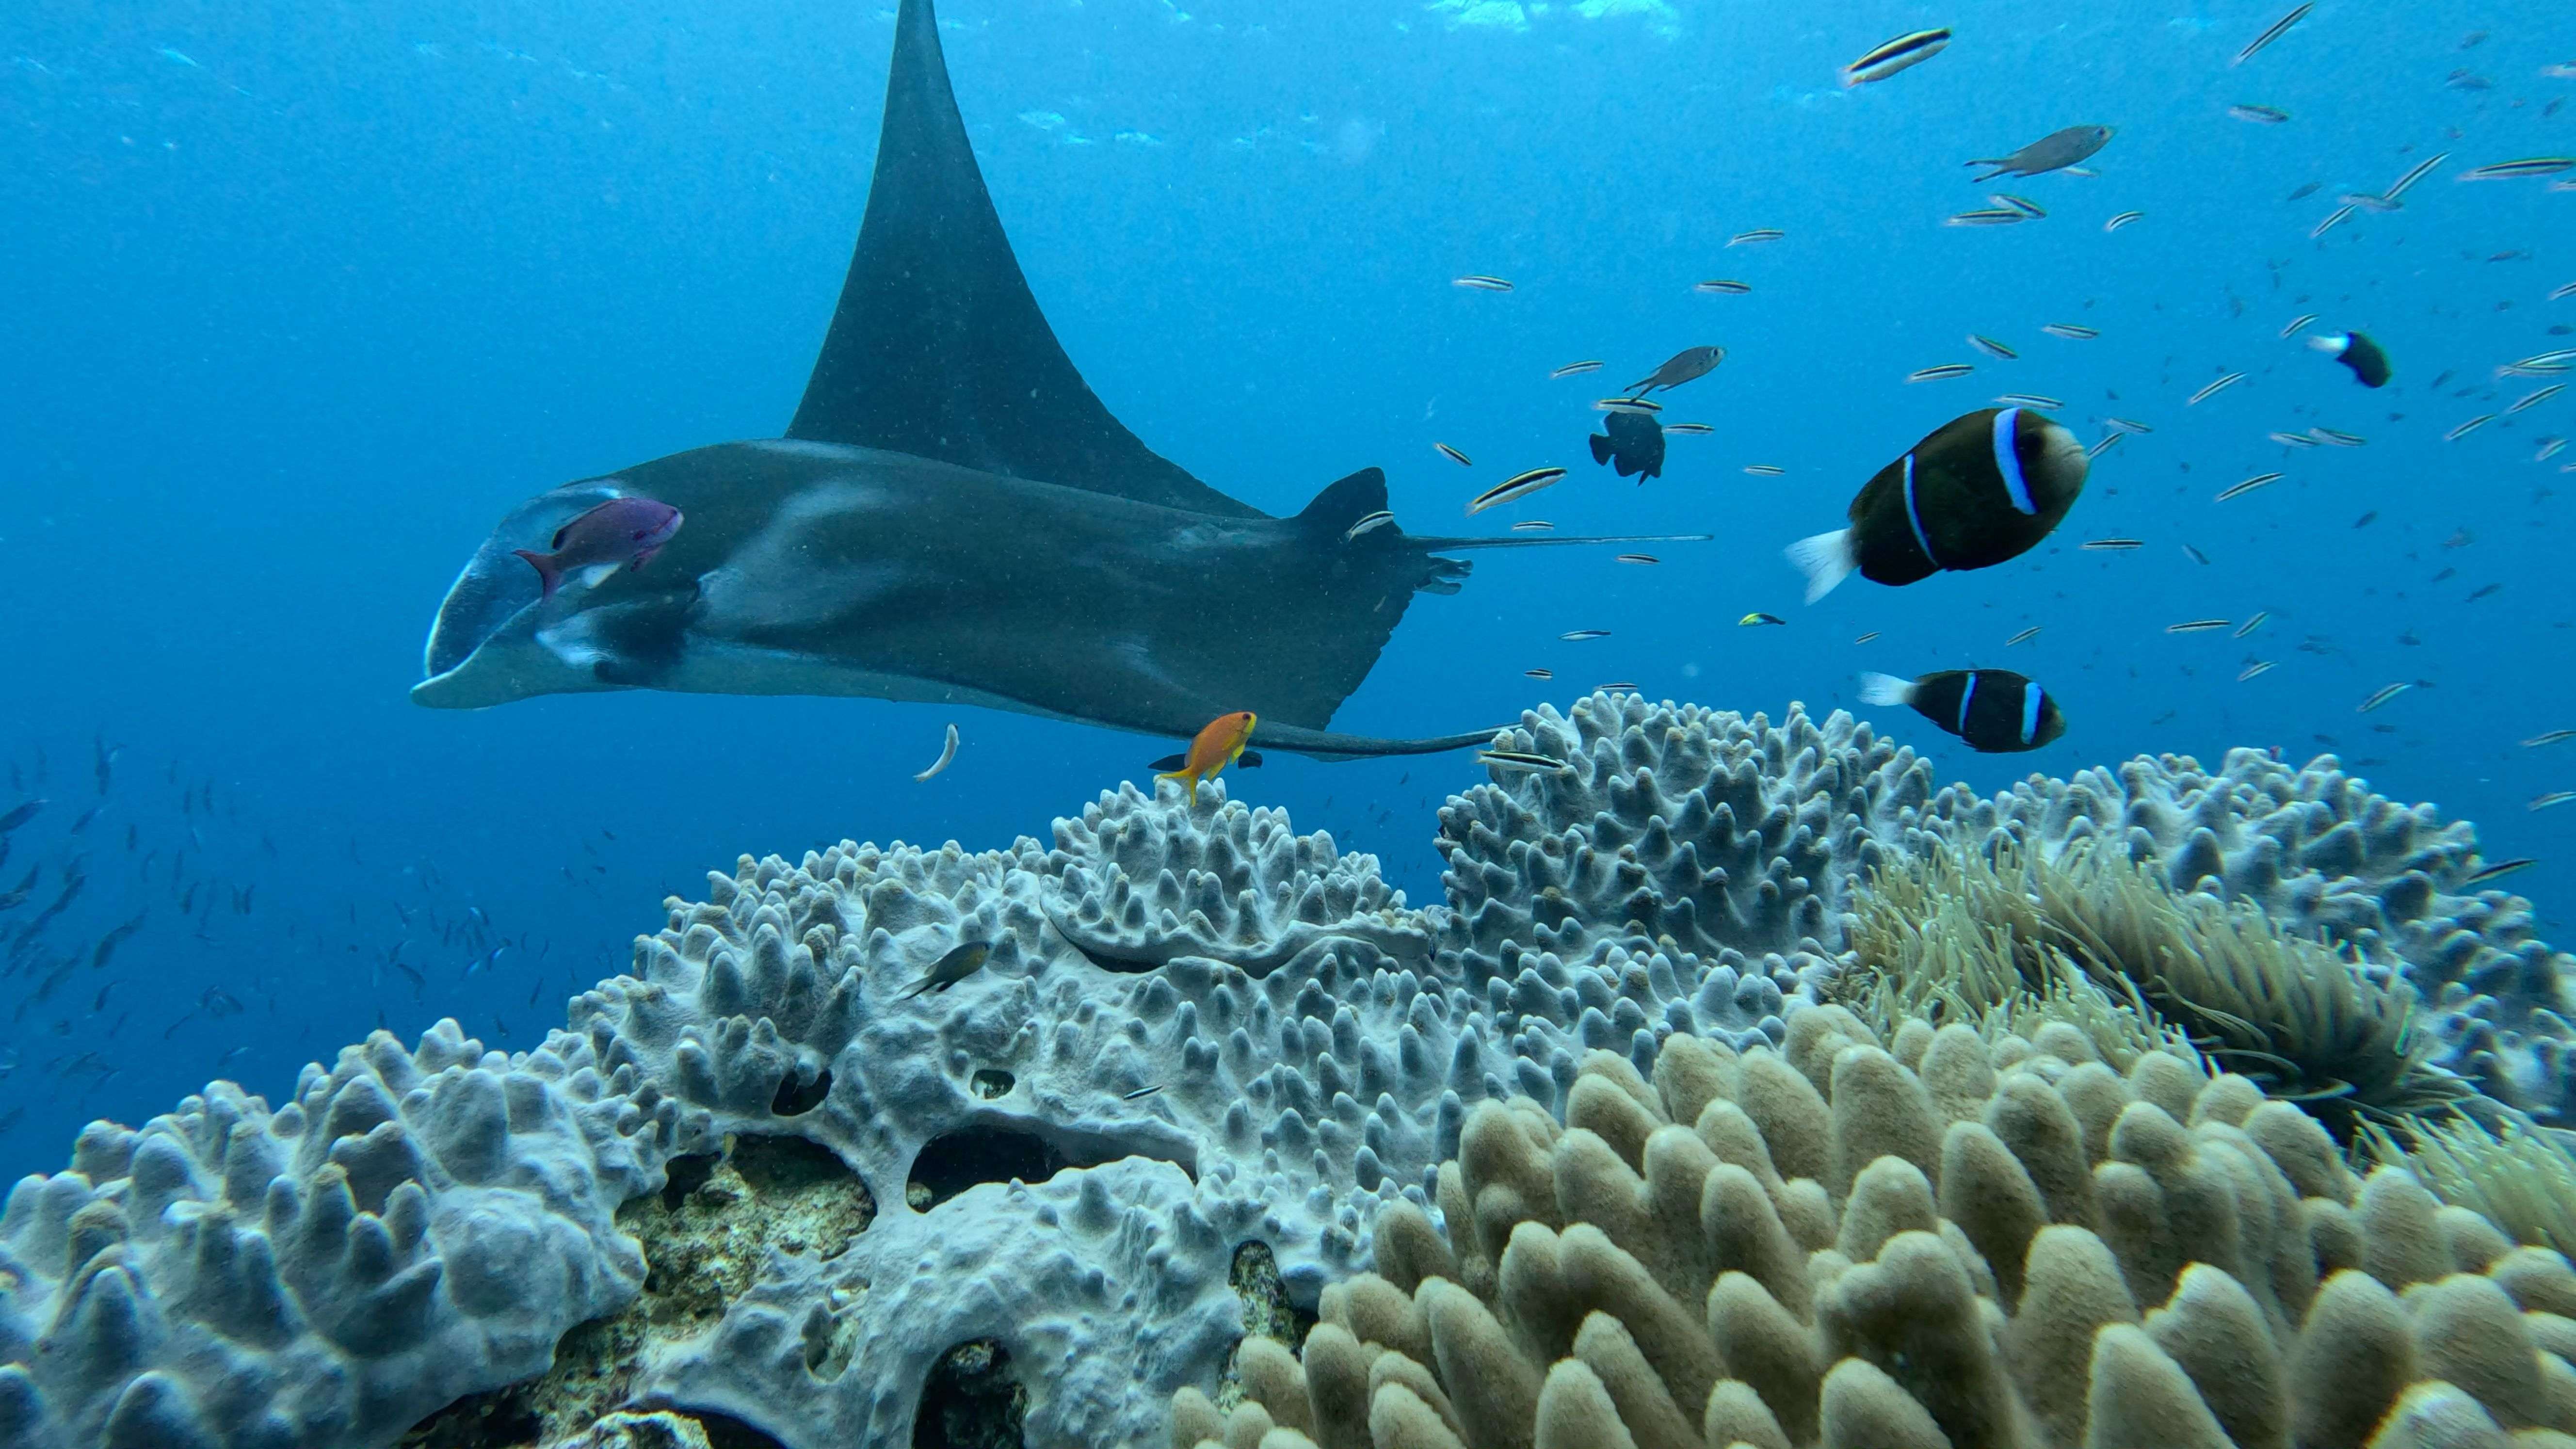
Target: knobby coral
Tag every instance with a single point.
(1932, 1241)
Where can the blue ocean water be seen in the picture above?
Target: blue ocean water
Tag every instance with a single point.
(301, 299)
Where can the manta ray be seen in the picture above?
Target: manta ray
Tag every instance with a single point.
(953, 517)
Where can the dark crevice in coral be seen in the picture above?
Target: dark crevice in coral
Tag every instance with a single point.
(992, 1082)
(971, 1400)
(685, 1175)
(955, 1161)
(995, 1152)
(798, 1095)
(1122, 965)
(724, 1431)
(1269, 1309)
(497, 1419)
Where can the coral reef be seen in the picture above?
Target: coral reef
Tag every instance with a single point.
(1209, 1070)
(1195, 1030)
(1737, 839)
(1930, 1241)
(413, 1226)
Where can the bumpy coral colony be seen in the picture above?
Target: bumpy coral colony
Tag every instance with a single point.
(1589, 1155)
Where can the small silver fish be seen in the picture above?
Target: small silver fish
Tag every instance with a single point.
(1635, 558)
(1902, 53)
(1368, 522)
(1723, 286)
(2070, 331)
(1865, 638)
(1576, 369)
(2382, 205)
(1764, 470)
(1941, 371)
(947, 752)
(2292, 440)
(2259, 666)
(2022, 204)
(1627, 405)
(2197, 626)
(2121, 220)
(1986, 216)
(2382, 696)
(1616, 686)
(1758, 234)
(1539, 673)
(2540, 396)
(2471, 426)
(1140, 1093)
(1477, 282)
(1534, 525)
(2551, 738)
(1504, 760)
(1517, 486)
(2563, 293)
(2554, 797)
(1454, 456)
(2271, 33)
(2030, 400)
(2548, 449)
(2111, 545)
(2510, 170)
(2238, 490)
(2339, 440)
(2415, 173)
(2105, 443)
(2250, 625)
(2128, 425)
(2266, 115)
(2023, 637)
(1577, 635)
(1991, 347)
(2196, 555)
(2298, 322)
(2496, 871)
(1693, 429)
(2333, 219)
(2215, 388)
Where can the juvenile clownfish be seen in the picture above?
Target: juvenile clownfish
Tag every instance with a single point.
(1216, 747)
(1981, 489)
(1995, 710)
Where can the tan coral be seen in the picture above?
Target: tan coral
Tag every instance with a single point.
(1931, 1240)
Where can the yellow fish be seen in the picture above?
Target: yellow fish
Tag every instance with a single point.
(1216, 747)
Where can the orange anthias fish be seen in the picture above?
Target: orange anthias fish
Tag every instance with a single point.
(1216, 747)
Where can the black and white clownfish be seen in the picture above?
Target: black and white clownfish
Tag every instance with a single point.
(1981, 489)
(2367, 359)
(1996, 711)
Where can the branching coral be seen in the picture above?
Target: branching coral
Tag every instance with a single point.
(1972, 928)
(1935, 1241)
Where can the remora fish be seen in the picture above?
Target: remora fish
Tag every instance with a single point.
(954, 517)
(2054, 151)
(1979, 490)
(1995, 710)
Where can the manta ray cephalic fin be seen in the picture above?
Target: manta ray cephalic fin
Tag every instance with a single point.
(937, 348)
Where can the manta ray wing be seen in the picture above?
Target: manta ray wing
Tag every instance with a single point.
(938, 349)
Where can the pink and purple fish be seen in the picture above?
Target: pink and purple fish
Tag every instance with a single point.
(621, 533)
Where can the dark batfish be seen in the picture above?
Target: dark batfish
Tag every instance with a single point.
(1980, 490)
(1631, 443)
(1682, 367)
(1996, 711)
(961, 962)
(2355, 350)
(621, 533)
(2052, 152)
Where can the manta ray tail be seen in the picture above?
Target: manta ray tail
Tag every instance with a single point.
(1542, 540)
